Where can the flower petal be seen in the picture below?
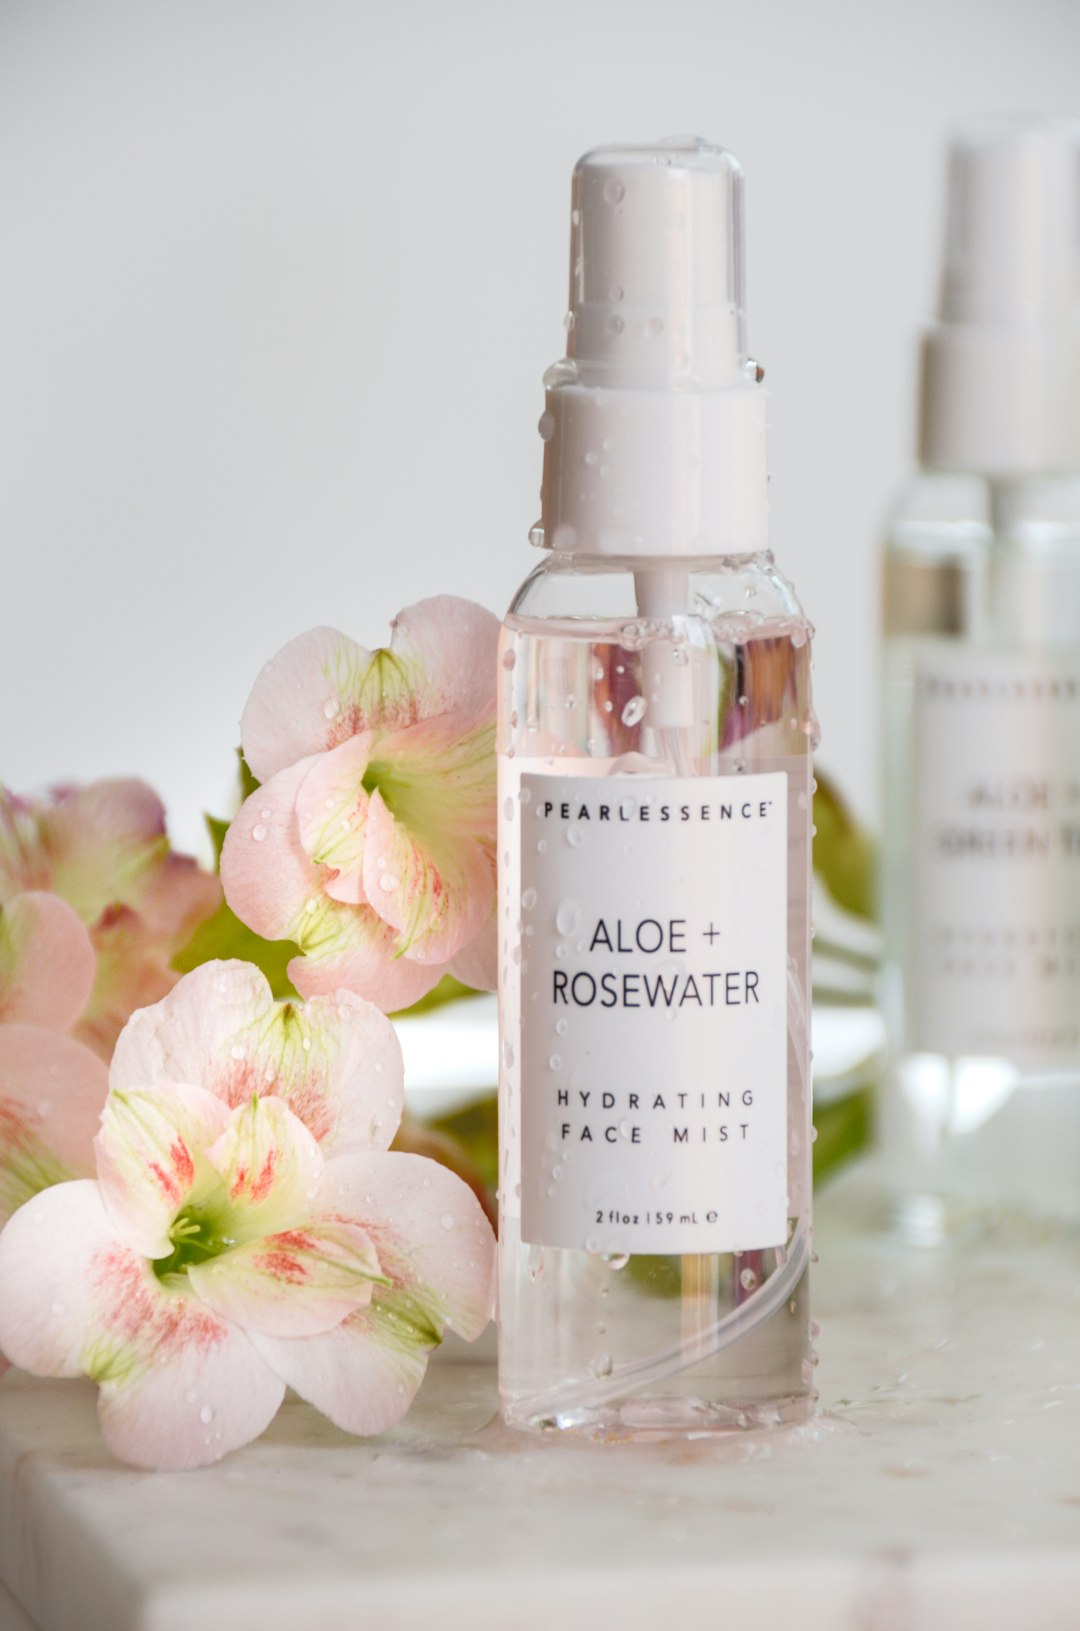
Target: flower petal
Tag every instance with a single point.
(133, 969)
(453, 644)
(364, 1374)
(324, 688)
(437, 1248)
(436, 893)
(102, 839)
(432, 1239)
(477, 964)
(335, 1061)
(271, 1167)
(150, 1157)
(296, 1283)
(180, 1387)
(331, 809)
(267, 876)
(361, 955)
(46, 962)
(310, 696)
(173, 898)
(52, 1090)
(48, 1282)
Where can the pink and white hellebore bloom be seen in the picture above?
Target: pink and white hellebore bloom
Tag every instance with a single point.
(371, 841)
(52, 1088)
(248, 1229)
(103, 848)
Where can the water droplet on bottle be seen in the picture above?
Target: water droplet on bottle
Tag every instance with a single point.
(616, 293)
(509, 659)
(748, 1279)
(601, 1365)
(508, 809)
(653, 327)
(634, 711)
(574, 836)
(614, 191)
(567, 916)
(615, 324)
(554, 1063)
(546, 427)
(528, 900)
(617, 1260)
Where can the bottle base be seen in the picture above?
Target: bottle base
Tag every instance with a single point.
(652, 1419)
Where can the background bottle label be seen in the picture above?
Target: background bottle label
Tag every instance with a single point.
(994, 949)
(653, 1036)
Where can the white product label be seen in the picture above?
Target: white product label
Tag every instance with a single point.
(994, 958)
(654, 1012)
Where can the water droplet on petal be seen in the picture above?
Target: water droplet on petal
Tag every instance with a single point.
(259, 833)
(206, 1414)
(330, 708)
(447, 1220)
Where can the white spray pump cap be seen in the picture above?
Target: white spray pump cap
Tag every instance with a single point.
(655, 422)
(1001, 370)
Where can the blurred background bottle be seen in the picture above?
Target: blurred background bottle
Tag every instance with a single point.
(981, 886)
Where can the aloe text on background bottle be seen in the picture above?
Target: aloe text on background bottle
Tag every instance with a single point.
(655, 742)
(982, 707)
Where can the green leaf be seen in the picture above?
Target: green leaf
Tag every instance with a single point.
(217, 828)
(475, 1127)
(223, 935)
(844, 1126)
(248, 783)
(845, 855)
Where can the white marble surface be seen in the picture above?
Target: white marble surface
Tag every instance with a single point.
(939, 1490)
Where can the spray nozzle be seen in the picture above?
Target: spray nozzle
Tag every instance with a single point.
(1012, 236)
(1001, 370)
(654, 424)
(656, 266)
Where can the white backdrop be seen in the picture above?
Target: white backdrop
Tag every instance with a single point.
(279, 279)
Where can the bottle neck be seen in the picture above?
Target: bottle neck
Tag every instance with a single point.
(654, 473)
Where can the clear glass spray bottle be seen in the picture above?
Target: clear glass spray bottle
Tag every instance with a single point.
(982, 707)
(655, 744)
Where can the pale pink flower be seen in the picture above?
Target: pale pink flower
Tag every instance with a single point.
(51, 1087)
(103, 848)
(248, 1229)
(371, 842)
